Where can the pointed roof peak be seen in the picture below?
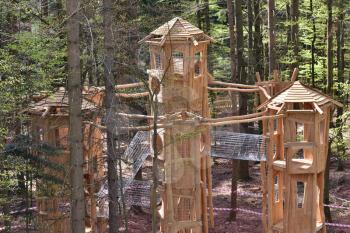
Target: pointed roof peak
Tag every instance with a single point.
(297, 92)
(177, 28)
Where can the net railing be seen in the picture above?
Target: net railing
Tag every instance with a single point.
(241, 146)
(225, 144)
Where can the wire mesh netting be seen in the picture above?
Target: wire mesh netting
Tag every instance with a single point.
(138, 193)
(135, 156)
(225, 144)
(242, 146)
(133, 191)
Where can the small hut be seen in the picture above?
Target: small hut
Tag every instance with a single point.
(296, 158)
(50, 126)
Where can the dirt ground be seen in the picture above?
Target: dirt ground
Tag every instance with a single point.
(249, 223)
(246, 222)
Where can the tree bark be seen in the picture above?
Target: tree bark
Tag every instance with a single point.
(272, 39)
(251, 58)
(231, 25)
(258, 44)
(45, 8)
(242, 76)
(110, 105)
(330, 47)
(330, 92)
(199, 14)
(341, 80)
(207, 31)
(288, 21)
(313, 44)
(75, 120)
(206, 17)
(294, 13)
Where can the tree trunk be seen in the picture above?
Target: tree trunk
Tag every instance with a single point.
(340, 92)
(44, 8)
(233, 213)
(330, 92)
(258, 44)
(271, 29)
(206, 17)
(330, 48)
(294, 13)
(75, 120)
(251, 58)
(231, 25)
(241, 73)
(199, 14)
(313, 44)
(110, 105)
(207, 31)
(288, 21)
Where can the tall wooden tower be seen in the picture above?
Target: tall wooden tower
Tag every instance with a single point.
(178, 76)
(296, 159)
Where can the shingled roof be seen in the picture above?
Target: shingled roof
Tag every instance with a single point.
(57, 100)
(299, 93)
(177, 28)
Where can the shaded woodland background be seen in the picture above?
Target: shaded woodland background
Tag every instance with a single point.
(312, 35)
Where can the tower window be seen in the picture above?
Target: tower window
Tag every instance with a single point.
(178, 62)
(198, 63)
(276, 189)
(300, 131)
(300, 194)
(157, 61)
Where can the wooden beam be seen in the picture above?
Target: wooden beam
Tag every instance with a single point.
(129, 85)
(234, 117)
(295, 74)
(132, 95)
(264, 92)
(231, 122)
(135, 116)
(281, 108)
(257, 76)
(232, 89)
(318, 109)
(131, 128)
(232, 84)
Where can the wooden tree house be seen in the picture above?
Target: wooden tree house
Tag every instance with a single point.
(179, 78)
(296, 158)
(295, 124)
(49, 125)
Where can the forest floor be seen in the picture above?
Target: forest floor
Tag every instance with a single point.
(248, 198)
(249, 193)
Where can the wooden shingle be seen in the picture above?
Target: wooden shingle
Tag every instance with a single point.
(299, 93)
(58, 100)
(177, 28)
